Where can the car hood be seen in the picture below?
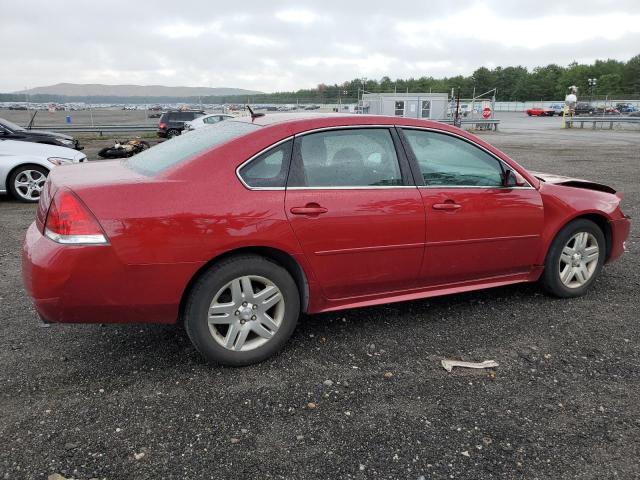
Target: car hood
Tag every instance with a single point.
(19, 149)
(572, 182)
(49, 134)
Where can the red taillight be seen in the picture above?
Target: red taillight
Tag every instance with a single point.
(70, 221)
(162, 125)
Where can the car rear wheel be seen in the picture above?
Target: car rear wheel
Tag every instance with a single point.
(242, 310)
(26, 183)
(575, 259)
(172, 133)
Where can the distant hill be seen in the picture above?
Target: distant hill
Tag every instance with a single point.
(99, 90)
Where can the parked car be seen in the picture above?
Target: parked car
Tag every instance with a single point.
(11, 131)
(557, 109)
(24, 166)
(239, 227)
(584, 108)
(172, 123)
(206, 120)
(540, 112)
(635, 114)
(463, 110)
(602, 110)
(626, 107)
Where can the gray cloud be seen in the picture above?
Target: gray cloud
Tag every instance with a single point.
(282, 45)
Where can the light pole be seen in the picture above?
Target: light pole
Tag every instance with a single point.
(592, 83)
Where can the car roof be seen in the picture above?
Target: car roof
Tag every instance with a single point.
(318, 120)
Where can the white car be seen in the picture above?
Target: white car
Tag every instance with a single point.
(205, 120)
(24, 166)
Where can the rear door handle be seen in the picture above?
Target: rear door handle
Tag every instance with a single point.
(308, 209)
(446, 206)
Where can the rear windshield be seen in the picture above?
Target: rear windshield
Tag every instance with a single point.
(171, 152)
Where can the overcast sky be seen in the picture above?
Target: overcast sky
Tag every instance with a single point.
(284, 45)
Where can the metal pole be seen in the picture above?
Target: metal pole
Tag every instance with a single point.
(473, 102)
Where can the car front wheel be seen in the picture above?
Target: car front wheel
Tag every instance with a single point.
(242, 310)
(26, 183)
(575, 259)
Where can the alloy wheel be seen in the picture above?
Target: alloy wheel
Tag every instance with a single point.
(579, 259)
(29, 184)
(246, 313)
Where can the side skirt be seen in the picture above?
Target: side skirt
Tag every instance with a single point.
(440, 290)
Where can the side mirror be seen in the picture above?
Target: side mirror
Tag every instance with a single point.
(511, 178)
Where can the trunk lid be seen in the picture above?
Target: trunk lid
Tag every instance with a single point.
(84, 178)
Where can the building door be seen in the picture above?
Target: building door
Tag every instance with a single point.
(425, 108)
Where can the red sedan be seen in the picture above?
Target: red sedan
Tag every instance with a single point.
(540, 112)
(236, 229)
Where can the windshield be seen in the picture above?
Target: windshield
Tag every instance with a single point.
(171, 152)
(10, 125)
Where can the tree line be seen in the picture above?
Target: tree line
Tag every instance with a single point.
(616, 79)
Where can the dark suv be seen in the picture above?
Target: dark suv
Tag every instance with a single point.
(172, 123)
(583, 108)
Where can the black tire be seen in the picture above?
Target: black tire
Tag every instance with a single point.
(110, 152)
(196, 310)
(172, 133)
(19, 171)
(551, 277)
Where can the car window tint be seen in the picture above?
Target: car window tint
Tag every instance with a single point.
(178, 149)
(270, 169)
(450, 161)
(349, 158)
(211, 120)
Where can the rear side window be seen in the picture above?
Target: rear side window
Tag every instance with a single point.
(269, 170)
(348, 158)
(171, 152)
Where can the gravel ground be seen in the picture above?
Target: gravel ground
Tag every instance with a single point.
(355, 394)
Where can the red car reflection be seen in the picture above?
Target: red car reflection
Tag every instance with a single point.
(237, 228)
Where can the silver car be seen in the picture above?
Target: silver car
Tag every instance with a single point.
(24, 166)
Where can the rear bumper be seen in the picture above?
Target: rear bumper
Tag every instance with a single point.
(89, 284)
(619, 233)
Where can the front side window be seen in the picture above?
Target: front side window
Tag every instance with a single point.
(445, 160)
(182, 147)
(349, 158)
(426, 109)
(269, 170)
(399, 110)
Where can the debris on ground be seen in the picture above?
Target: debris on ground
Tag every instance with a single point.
(449, 364)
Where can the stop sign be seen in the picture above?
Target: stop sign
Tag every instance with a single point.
(486, 112)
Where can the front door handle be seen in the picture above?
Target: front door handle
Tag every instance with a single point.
(308, 209)
(448, 205)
